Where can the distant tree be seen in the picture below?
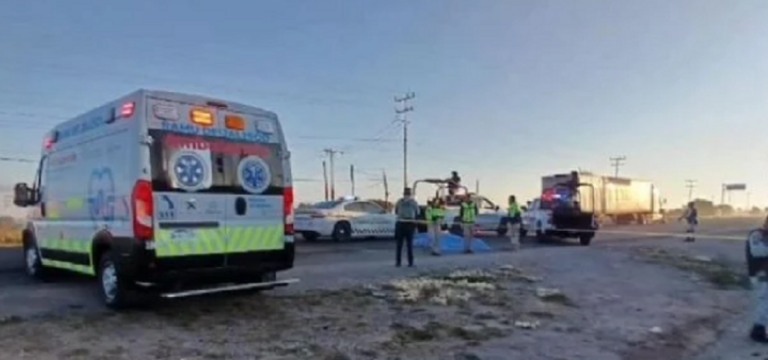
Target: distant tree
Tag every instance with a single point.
(755, 210)
(704, 207)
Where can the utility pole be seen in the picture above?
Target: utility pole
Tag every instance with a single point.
(325, 180)
(331, 156)
(617, 162)
(401, 116)
(386, 188)
(352, 177)
(690, 184)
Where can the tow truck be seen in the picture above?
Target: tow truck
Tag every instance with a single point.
(560, 212)
(489, 218)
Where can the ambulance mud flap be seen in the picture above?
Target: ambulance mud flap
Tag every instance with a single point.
(226, 288)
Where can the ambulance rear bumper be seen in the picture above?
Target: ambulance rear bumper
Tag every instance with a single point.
(139, 264)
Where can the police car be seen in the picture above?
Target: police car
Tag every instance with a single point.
(344, 219)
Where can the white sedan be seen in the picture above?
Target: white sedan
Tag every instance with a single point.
(344, 219)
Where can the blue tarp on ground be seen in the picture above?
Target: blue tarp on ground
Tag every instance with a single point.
(449, 243)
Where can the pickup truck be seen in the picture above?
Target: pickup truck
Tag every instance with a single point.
(489, 217)
(547, 218)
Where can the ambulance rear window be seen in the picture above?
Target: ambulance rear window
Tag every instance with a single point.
(205, 164)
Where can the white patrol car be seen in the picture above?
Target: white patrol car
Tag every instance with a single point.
(344, 219)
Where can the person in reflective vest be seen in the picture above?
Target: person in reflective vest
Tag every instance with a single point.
(757, 267)
(468, 216)
(513, 222)
(435, 212)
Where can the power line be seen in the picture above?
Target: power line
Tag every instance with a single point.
(401, 114)
(616, 163)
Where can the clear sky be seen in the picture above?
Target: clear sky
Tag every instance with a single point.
(506, 91)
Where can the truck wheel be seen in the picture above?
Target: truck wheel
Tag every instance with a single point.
(114, 289)
(585, 239)
(34, 265)
(342, 231)
(309, 236)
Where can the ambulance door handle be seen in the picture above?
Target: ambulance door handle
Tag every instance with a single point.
(241, 206)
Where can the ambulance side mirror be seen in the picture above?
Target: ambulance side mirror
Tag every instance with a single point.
(22, 195)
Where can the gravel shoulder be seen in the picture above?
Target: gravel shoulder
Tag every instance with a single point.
(660, 299)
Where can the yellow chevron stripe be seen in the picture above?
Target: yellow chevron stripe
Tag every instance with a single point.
(230, 239)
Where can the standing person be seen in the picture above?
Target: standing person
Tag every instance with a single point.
(691, 217)
(513, 222)
(436, 223)
(468, 215)
(757, 267)
(406, 210)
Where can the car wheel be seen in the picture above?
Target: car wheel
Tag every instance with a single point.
(309, 236)
(114, 289)
(342, 231)
(33, 262)
(523, 233)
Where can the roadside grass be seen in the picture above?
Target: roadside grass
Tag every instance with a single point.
(10, 235)
(717, 272)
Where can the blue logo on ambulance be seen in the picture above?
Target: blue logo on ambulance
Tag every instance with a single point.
(254, 174)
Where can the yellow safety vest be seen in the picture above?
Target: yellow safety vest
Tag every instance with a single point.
(514, 209)
(468, 215)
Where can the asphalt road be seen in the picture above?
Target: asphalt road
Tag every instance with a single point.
(11, 260)
(321, 264)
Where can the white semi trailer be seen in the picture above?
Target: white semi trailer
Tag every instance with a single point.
(617, 200)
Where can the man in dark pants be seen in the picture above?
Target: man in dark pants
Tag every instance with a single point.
(406, 210)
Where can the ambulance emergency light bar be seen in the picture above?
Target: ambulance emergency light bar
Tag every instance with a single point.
(199, 116)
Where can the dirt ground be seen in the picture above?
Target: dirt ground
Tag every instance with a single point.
(647, 301)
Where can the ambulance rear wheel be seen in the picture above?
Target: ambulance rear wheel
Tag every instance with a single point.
(342, 231)
(114, 289)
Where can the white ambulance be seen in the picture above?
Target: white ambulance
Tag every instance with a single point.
(160, 189)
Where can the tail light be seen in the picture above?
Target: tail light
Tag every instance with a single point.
(288, 209)
(143, 210)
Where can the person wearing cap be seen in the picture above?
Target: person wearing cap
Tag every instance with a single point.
(406, 210)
